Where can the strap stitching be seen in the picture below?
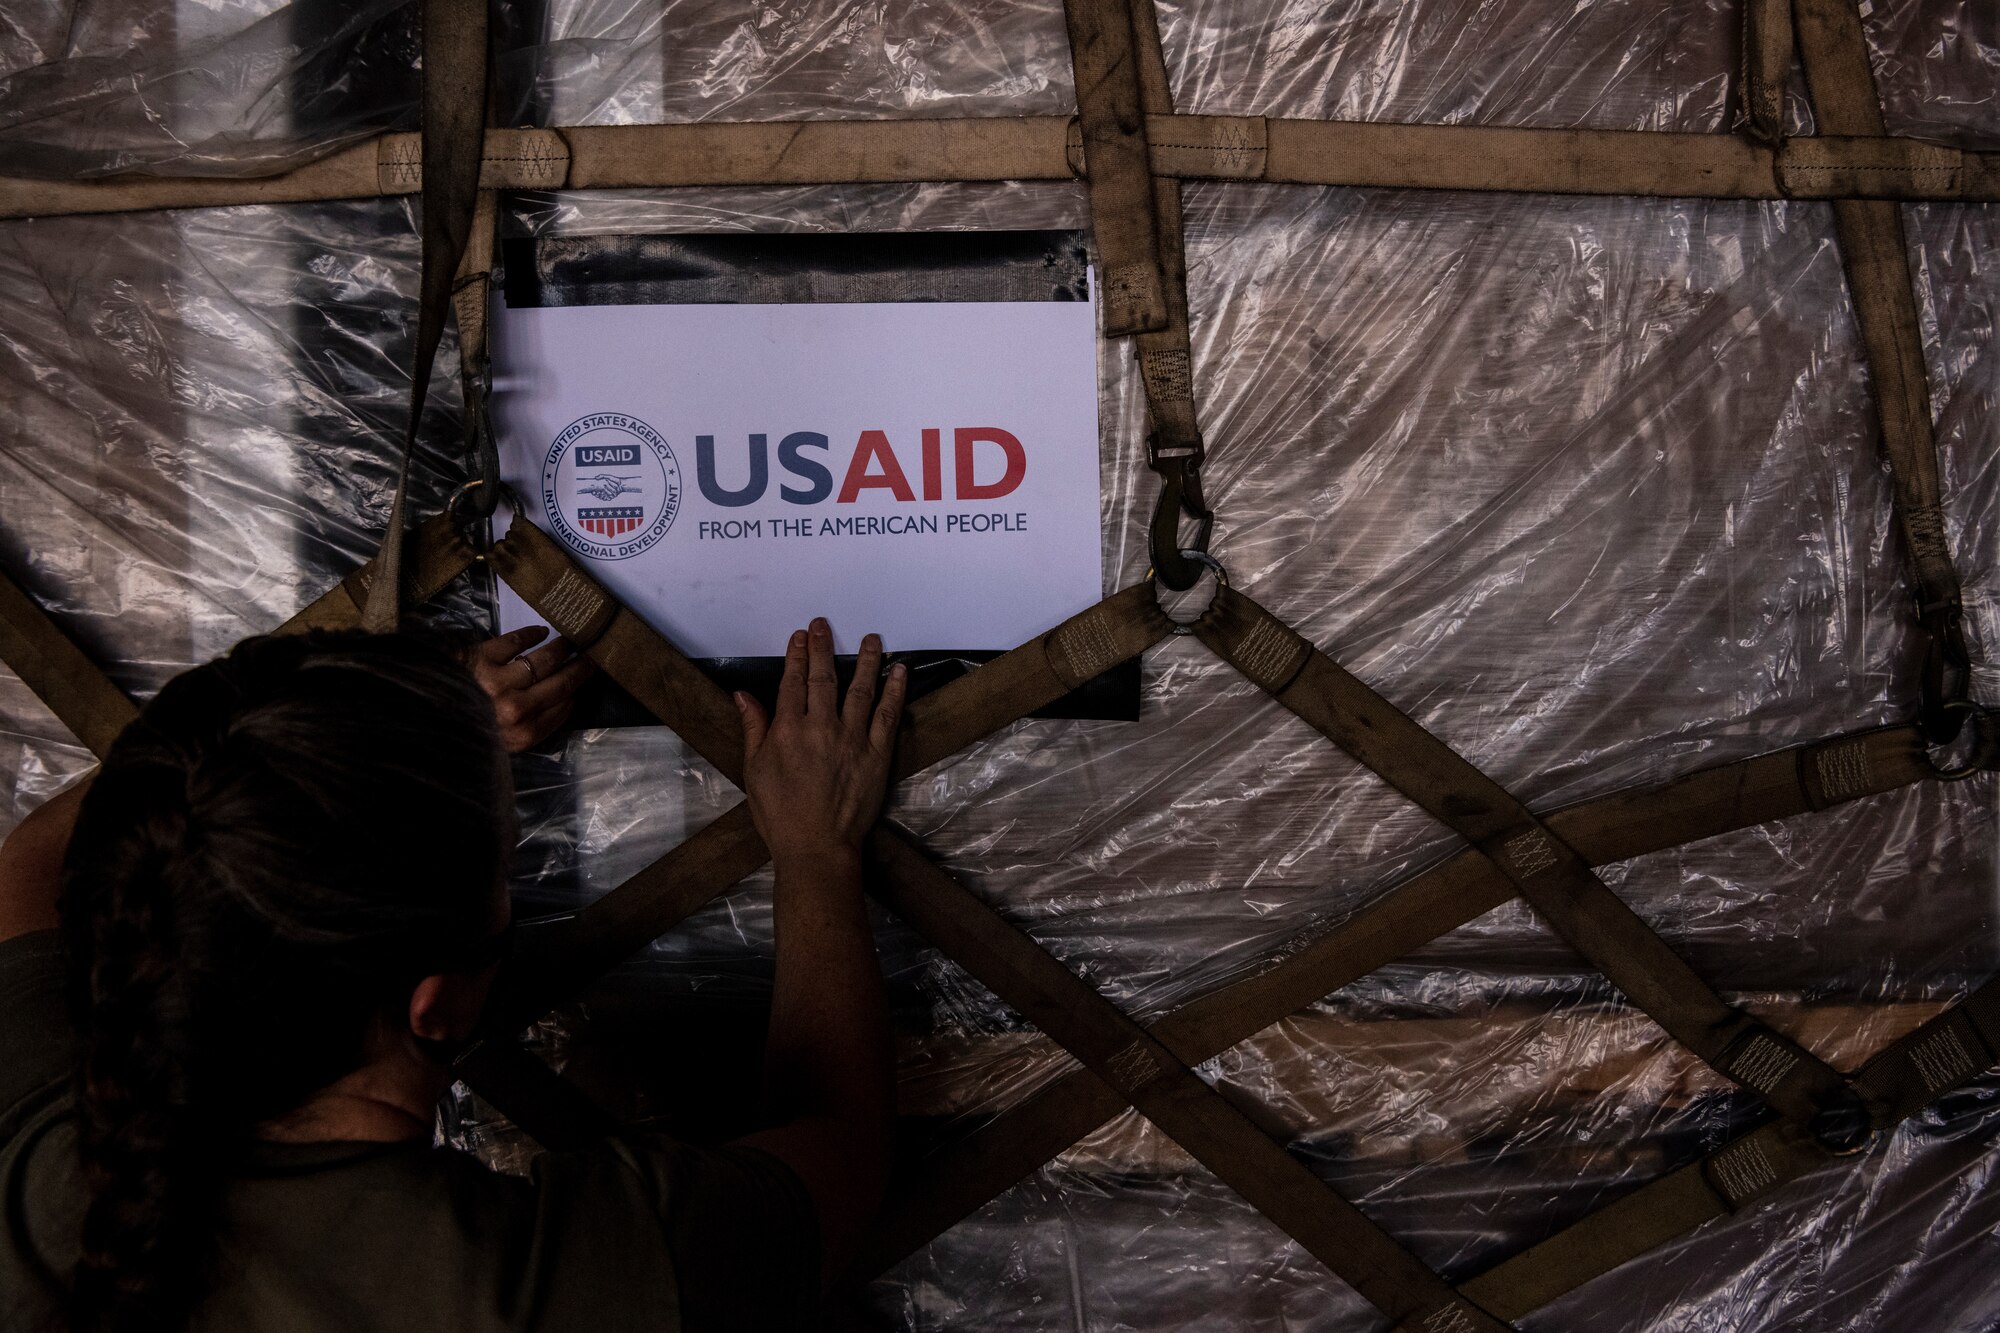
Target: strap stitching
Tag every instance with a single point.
(1530, 853)
(1264, 649)
(1801, 168)
(1168, 372)
(1843, 770)
(573, 602)
(1218, 148)
(1744, 1171)
(1941, 1059)
(1086, 646)
(1133, 1068)
(1764, 1063)
(1450, 1319)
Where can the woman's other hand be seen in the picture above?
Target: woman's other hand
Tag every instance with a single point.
(532, 692)
(816, 769)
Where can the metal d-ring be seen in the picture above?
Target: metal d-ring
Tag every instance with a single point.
(1213, 566)
(1958, 772)
(452, 508)
(1842, 1126)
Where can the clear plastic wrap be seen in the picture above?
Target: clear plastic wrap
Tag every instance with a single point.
(1587, 486)
(202, 88)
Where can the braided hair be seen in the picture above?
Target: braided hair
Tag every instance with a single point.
(281, 846)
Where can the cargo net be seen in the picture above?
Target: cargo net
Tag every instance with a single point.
(1131, 148)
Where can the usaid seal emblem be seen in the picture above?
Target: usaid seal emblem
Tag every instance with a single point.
(611, 486)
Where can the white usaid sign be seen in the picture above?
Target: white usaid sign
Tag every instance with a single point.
(927, 471)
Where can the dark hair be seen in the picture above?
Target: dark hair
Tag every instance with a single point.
(283, 844)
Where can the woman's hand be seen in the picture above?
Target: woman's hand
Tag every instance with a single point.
(532, 692)
(816, 770)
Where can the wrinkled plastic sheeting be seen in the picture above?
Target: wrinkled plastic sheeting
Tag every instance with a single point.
(1588, 486)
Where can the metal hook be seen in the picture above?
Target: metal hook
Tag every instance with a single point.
(1206, 561)
(476, 530)
(1974, 762)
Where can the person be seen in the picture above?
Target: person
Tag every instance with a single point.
(272, 917)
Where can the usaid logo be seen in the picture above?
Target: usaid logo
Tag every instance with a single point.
(611, 486)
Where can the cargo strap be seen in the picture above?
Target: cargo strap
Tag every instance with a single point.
(1247, 149)
(59, 673)
(434, 555)
(1767, 67)
(1163, 1089)
(1834, 51)
(1174, 447)
(1543, 868)
(84, 699)
(1120, 171)
(1703, 804)
(454, 98)
(1135, 217)
(477, 500)
(1910, 1074)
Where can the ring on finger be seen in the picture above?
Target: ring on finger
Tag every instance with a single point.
(534, 672)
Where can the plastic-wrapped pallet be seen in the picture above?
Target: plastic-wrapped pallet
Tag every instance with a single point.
(1589, 486)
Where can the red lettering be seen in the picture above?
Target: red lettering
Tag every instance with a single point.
(874, 447)
(962, 440)
(933, 463)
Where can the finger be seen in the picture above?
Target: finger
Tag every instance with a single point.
(792, 689)
(558, 686)
(755, 725)
(889, 713)
(545, 659)
(507, 647)
(822, 683)
(861, 694)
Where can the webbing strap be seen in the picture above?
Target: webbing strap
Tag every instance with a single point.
(1125, 1056)
(1454, 157)
(1612, 828)
(1835, 54)
(1941, 1055)
(1032, 676)
(817, 152)
(1767, 67)
(435, 555)
(1174, 445)
(83, 698)
(469, 295)
(454, 97)
(1188, 147)
(1833, 49)
(1122, 218)
(1872, 242)
(59, 673)
(1543, 868)
(1135, 216)
(1937, 1057)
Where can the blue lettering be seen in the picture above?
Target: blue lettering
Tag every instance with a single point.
(806, 469)
(751, 492)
